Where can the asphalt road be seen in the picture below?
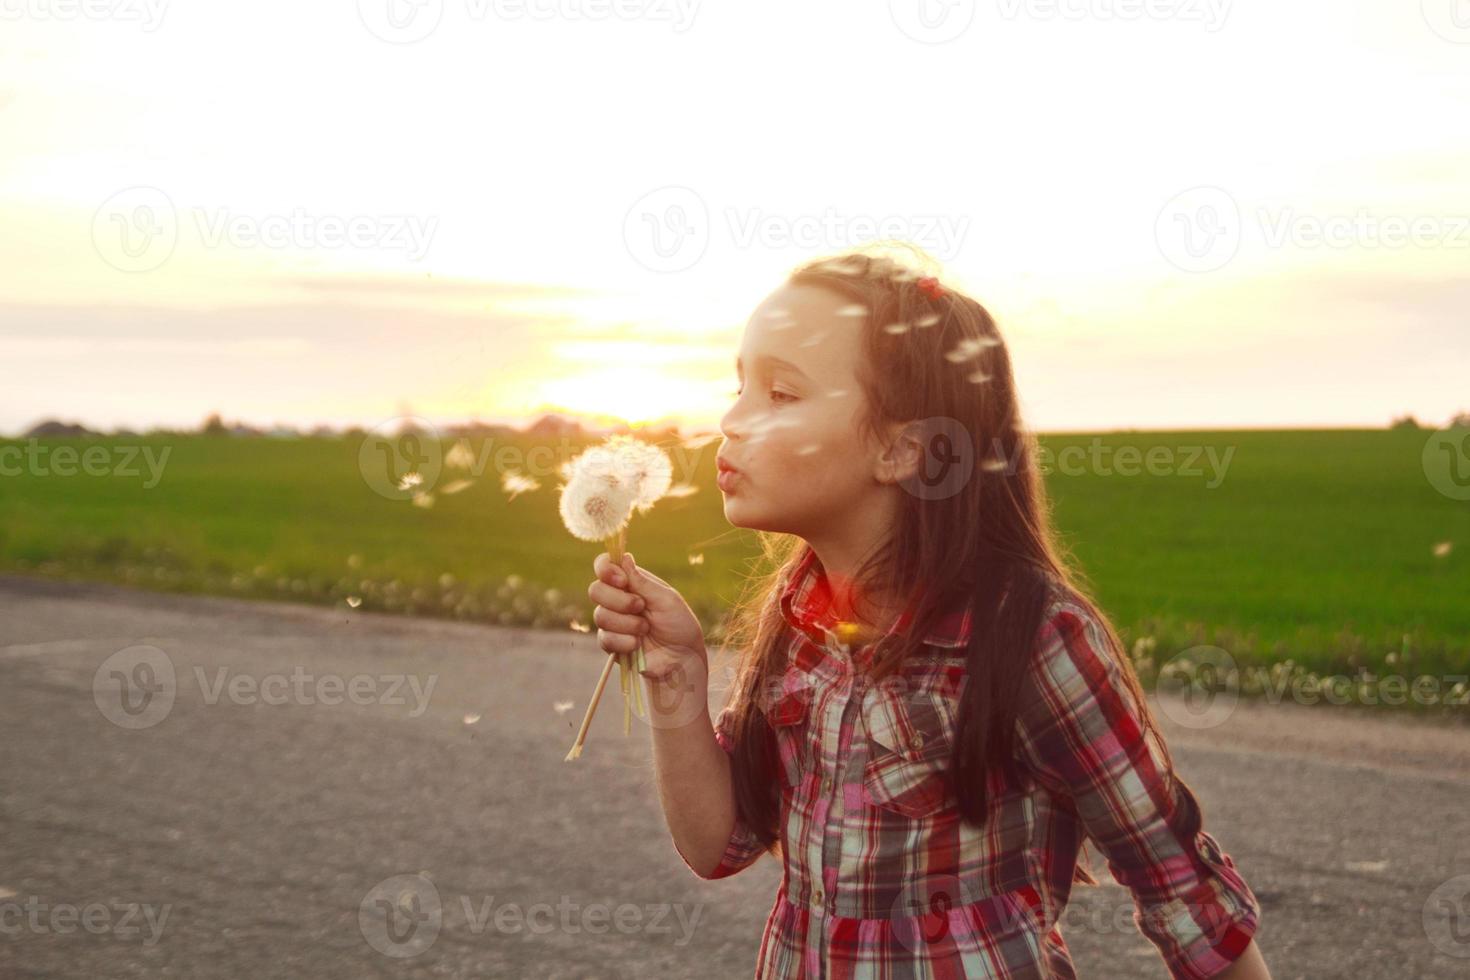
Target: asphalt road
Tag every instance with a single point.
(316, 766)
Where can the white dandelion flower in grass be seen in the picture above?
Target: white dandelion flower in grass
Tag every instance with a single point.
(514, 484)
(1443, 548)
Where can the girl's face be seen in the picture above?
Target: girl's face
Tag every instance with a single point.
(792, 432)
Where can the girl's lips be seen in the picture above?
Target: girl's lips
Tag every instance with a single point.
(728, 479)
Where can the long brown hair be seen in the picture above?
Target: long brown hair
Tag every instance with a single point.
(990, 543)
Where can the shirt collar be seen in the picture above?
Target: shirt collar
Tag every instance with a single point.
(806, 604)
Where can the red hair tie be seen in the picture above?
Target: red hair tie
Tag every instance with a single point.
(930, 287)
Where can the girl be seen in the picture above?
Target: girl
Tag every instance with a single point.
(930, 718)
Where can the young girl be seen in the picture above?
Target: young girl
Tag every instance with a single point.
(929, 719)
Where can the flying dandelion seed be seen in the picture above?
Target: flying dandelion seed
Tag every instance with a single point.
(853, 309)
(562, 707)
(455, 486)
(700, 441)
(424, 500)
(471, 719)
(354, 561)
(697, 559)
(460, 456)
(682, 490)
(896, 328)
(993, 465)
(965, 350)
(927, 320)
(837, 393)
(514, 484)
(353, 601)
(1443, 548)
(410, 480)
(813, 340)
(809, 449)
(778, 314)
(978, 376)
(579, 626)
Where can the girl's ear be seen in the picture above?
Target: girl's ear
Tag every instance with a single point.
(902, 455)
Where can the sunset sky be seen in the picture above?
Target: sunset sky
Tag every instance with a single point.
(555, 211)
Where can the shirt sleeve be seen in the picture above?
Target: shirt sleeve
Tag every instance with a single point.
(1080, 732)
(743, 848)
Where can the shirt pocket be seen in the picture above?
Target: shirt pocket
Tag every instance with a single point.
(790, 718)
(909, 739)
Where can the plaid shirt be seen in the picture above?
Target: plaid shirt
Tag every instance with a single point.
(881, 877)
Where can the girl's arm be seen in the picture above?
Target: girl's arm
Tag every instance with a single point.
(1080, 732)
(692, 770)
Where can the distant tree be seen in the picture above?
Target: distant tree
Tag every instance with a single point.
(1460, 421)
(1405, 422)
(214, 425)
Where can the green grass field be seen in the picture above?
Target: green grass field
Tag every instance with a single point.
(1318, 546)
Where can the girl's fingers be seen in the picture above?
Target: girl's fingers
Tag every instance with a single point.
(607, 571)
(616, 622)
(614, 598)
(616, 642)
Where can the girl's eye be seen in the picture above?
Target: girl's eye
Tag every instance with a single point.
(776, 396)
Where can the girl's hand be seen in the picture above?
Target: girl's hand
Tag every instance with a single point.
(633, 602)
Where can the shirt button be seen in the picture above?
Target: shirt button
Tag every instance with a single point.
(918, 742)
(817, 897)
